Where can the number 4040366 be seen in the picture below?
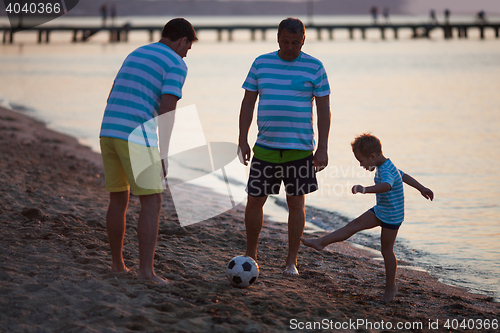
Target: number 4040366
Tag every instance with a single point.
(33, 8)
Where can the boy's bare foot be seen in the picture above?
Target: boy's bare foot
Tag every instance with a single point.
(291, 271)
(313, 242)
(389, 293)
(154, 278)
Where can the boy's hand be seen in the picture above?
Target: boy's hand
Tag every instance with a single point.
(358, 189)
(427, 193)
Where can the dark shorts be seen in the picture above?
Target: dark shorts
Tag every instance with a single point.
(383, 224)
(298, 177)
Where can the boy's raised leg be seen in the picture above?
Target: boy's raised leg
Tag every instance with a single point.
(366, 221)
(387, 240)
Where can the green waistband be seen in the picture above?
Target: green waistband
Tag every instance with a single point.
(279, 155)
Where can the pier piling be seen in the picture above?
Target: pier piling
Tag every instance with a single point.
(119, 34)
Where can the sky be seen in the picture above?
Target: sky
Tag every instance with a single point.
(284, 7)
(455, 6)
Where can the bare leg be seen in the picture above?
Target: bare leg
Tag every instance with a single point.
(387, 240)
(296, 223)
(115, 227)
(366, 221)
(147, 232)
(254, 219)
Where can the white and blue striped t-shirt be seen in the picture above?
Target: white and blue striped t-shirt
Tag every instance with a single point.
(390, 206)
(146, 74)
(286, 91)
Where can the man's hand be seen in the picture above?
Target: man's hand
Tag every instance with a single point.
(320, 160)
(244, 153)
(323, 111)
(246, 115)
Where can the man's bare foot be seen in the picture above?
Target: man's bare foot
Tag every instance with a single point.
(154, 278)
(291, 270)
(312, 242)
(389, 293)
(251, 255)
(120, 268)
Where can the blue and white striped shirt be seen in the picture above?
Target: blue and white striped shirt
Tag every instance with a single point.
(390, 206)
(146, 74)
(286, 92)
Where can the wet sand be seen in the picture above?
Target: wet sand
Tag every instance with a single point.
(55, 262)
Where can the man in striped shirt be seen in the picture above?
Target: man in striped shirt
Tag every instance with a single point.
(286, 82)
(148, 84)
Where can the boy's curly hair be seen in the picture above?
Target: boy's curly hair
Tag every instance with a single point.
(365, 144)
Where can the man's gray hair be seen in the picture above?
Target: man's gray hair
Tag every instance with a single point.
(292, 25)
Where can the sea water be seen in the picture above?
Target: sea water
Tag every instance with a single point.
(433, 103)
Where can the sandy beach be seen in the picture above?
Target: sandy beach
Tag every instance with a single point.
(55, 263)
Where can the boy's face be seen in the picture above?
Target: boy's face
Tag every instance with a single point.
(367, 162)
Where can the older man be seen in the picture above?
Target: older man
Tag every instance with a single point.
(286, 81)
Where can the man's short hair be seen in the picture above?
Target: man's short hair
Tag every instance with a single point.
(366, 144)
(292, 25)
(178, 28)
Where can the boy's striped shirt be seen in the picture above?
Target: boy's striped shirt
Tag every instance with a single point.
(286, 91)
(390, 206)
(146, 74)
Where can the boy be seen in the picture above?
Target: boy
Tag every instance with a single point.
(387, 213)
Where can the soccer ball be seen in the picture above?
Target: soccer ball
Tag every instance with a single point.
(242, 271)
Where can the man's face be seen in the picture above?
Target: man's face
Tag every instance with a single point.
(184, 47)
(290, 45)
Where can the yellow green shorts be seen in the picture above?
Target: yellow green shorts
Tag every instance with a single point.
(131, 166)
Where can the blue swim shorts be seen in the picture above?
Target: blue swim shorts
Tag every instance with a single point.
(383, 224)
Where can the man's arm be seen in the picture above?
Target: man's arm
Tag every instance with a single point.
(246, 116)
(426, 193)
(168, 103)
(324, 118)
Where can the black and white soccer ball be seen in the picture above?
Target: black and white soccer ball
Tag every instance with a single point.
(242, 271)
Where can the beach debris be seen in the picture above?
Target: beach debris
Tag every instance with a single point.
(34, 214)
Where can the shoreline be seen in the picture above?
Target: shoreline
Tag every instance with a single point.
(55, 267)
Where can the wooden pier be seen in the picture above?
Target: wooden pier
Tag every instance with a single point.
(120, 34)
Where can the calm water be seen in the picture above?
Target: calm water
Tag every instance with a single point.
(433, 103)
